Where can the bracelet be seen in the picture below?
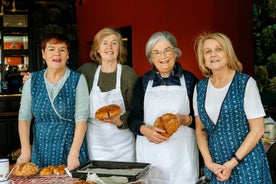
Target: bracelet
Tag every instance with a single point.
(236, 158)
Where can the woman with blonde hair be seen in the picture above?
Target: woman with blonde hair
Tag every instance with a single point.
(109, 82)
(229, 115)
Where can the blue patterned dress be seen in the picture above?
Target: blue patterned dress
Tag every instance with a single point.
(227, 135)
(53, 136)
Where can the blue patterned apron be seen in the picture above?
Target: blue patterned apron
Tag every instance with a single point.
(53, 136)
(227, 135)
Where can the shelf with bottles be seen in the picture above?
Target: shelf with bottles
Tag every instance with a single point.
(15, 41)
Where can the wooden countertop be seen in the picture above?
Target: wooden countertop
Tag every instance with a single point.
(8, 114)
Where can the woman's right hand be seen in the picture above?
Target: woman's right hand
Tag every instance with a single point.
(153, 134)
(217, 169)
(26, 76)
(23, 158)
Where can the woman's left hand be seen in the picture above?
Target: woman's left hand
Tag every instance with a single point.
(115, 121)
(226, 172)
(185, 120)
(73, 161)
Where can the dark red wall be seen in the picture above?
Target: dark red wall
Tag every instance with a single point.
(184, 18)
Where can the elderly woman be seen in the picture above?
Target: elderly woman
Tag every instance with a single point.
(109, 82)
(56, 98)
(229, 115)
(167, 88)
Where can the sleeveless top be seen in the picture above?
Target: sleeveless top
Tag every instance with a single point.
(227, 135)
(54, 123)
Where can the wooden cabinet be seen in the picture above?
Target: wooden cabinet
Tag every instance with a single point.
(20, 51)
(9, 138)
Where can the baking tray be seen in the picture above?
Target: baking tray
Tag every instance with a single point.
(101, 167)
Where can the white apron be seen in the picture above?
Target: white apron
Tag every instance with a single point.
(105, 141)
(174, 161)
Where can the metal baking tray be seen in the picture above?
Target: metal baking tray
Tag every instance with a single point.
(132, 170)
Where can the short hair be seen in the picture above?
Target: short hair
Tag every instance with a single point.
(95, 56)
(55, 38)
(226, 44)
(158, 36)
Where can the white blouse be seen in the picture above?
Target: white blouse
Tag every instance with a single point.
(252, 101)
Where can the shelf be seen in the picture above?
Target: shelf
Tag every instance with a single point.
(14, 30)
(10, 52)
(14, 53)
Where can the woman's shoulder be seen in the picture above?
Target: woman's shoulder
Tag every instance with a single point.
(38, 73)
(242, 78)
(88, 69)
(127, 68)
(88, 66)
(190, 78)
(189, 74)
(128, 71)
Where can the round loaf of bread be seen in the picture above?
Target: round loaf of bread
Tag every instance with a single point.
(25, 169)
(59, 171)
(51, 169)
(167, 122)
(45, 172)
(108, 112)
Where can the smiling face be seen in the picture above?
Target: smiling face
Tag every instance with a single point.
(214, 55)
(109, 48)
(163, 57)
(55, 55)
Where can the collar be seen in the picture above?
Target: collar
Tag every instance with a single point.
(176, 72)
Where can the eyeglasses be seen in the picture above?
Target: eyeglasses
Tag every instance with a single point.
(166, 52)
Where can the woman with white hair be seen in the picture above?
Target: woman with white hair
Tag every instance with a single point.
(167, 88)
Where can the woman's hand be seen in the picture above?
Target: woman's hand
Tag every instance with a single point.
(26, 76)
(24, 157)
(115, 121)
(153, 134)
(185, 120)
(73, 161)
(226, 173)
(217, 169)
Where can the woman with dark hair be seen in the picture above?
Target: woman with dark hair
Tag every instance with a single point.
(56, 97)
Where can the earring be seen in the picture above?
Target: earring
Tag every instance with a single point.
(44, 62)
(67, 62)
